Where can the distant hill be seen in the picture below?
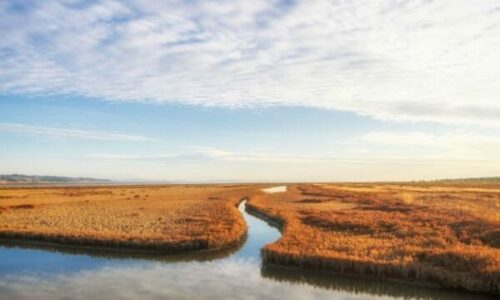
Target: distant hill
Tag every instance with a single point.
(36, 179)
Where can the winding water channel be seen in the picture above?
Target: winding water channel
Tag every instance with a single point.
(57, 273)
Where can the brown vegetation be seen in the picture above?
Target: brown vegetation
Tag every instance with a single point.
(427, 233)
(431, 233)
(155, 218)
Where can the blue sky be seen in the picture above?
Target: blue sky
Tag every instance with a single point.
(250, 91)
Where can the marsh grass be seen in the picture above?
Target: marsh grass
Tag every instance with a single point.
(429, 234)
(166, 219)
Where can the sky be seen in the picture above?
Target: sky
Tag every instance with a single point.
(313, 90)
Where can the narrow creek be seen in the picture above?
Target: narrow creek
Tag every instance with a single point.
(54, 273)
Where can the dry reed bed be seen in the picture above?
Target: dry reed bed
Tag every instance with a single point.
(435, 236)
(166, 219)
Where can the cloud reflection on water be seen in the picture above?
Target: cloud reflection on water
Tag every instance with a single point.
(230, 278)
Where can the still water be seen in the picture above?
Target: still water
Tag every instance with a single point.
(36, 273)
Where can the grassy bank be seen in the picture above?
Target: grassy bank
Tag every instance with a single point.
(166, 219)
(427, 234)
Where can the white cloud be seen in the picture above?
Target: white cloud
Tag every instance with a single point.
(382, 160)
(394, 60)
(385, 148)
(211, 153)
(258, 156)
(70, 133)
(451, 146)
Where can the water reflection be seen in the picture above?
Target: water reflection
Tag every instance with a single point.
(357, 285)
(62, 273)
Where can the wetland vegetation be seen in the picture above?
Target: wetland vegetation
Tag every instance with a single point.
(432, 234)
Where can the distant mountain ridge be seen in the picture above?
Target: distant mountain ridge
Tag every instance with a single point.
(37, 179)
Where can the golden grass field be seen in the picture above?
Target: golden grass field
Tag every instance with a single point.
(445, 234)
(158, 218)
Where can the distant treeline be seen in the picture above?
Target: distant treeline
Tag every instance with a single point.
(472, 180)
(18, 178)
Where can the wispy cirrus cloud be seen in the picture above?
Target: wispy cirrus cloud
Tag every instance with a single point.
(407, 61)
(450, 146)
(215, 154)
(456, 150)
(58, 132)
